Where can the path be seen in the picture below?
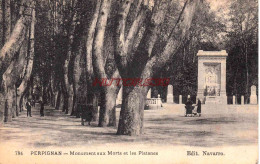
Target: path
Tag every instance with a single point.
(166, 126)
(168, 133)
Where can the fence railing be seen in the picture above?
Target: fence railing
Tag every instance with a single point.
(184, 98)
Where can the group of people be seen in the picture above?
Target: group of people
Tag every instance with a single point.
(190, 109)
(29, 105)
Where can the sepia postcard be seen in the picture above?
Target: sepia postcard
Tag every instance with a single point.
(129, 81)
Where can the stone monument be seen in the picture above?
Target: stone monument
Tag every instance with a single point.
(170, 94)
(253, 97)
(242, 100)
(212, 77)
(149, 94)
(180, 99)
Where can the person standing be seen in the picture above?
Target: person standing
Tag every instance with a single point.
(188, 106)
(199, 107)
(29, 108)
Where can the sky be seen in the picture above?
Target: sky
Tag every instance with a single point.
(216, 4)
(221, 7)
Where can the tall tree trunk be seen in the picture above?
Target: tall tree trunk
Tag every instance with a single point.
(8, 25)
(24, 86)
(3, 21)
(67, 84)
(14, 42)
(131, 115)
(51, 92)
(9, 108)
(108, 94)
(108, 106)
(7, 115)
(2, 108)
(112, 116)
(16, 103)
(11, 76)
(21, 97)
(12, 103)
(58, 99)
(71, 95)
(6, 20)
(247, 73)
(94, 101)
(132, 112)
(52, 97)
(107, 112)
(11, 47)
(61, 102)
(77, 71)
(65, 97)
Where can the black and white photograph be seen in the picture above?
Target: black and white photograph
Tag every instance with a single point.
(129, 81)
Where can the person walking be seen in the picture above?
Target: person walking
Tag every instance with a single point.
(29, 108)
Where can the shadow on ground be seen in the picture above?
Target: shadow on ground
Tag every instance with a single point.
(58, 129)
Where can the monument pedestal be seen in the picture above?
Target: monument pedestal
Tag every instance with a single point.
(253, 96)
(170, 94)
(169, 98)
(211, 100)
(223, 100)
(216, 100)
(212, 77)
(200, 95)
(253, 99)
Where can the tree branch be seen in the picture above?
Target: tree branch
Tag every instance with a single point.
(145, 47)
(13, 44)
(98, 61)
(120, 52)
(154, 65)
(134, 29)
(90, 38)
(28, 75)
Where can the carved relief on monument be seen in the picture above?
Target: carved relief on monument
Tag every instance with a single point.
(212, 80)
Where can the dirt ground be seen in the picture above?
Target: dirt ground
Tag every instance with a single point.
(221, 127)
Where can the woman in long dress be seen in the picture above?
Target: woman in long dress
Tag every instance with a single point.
(188, 106)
